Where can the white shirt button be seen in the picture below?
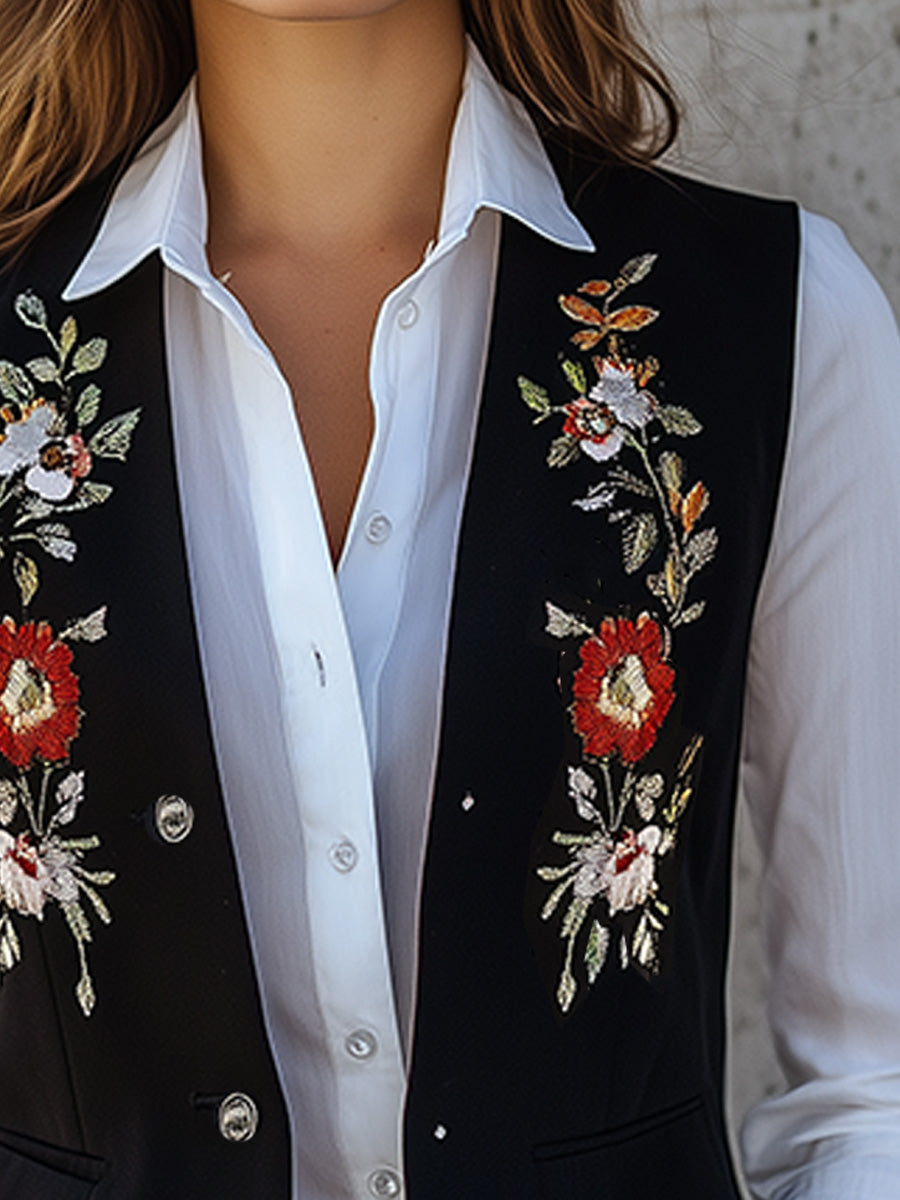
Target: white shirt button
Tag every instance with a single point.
(238, 1118)
(378, 528)
(385, 1183)
(343, 856)
(408, 314)
(361, 1044)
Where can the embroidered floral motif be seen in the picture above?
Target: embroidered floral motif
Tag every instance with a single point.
(617, 415)
(47, 454)
(622, 690)
(624, 685)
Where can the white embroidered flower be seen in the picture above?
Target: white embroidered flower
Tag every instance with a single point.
(583, 791)
(594, 858)
(23, 877)
(617, 389)
(60, 882)
(60, 464)
(630, 876)
(23, 440)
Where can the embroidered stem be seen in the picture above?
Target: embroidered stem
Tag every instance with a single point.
(610, 796)
(678, 602)
(25, 796)
(624, 799)
(42, 801)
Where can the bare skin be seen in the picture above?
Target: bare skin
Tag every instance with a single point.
(326, 125)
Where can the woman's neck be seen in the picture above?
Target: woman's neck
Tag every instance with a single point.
(323, 131)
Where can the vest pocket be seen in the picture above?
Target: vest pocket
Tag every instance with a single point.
(672, 1153)
(39, 1171)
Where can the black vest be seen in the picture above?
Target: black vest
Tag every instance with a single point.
(569, 1025)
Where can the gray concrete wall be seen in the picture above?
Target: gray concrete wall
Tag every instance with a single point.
(801, 98)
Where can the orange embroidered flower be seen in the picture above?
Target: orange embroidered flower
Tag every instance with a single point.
(623, 689)
(38, 694)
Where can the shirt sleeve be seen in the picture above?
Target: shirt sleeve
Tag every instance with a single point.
(822, 750)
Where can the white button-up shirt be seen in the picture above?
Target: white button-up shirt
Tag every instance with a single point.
(324, 687)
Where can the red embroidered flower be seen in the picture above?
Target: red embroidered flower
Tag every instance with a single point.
(38, 694)
(623, 689)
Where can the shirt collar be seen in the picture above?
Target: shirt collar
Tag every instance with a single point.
(496, 160)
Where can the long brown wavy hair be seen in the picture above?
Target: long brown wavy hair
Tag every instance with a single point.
(82, 81)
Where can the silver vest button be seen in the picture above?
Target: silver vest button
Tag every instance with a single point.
(384, 1184)
(238, 1118)
(174, 818)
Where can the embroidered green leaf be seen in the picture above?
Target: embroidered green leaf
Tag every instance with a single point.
(10, 949)
(68, 335)
(639, 536)
(87, 629)
(550, 874)
(563, 450)
(101, 878)
(635, 270)
(574, 918)
(88, 405)
(693, 613)
(690, 754)
(32, 508)
(643, 945)
(700, 549)
(87, 494)
(85, 994)
(43, 369)
(672, 469)
(81, 844)
(534, 395)
(14, 383)
(624, 479)
(31, 310)
(98, 902)
(600, 495)
(597, 948)
(560, 838)
(562, 624)
(90, 356)
(26, 575)
(565, 992)
(113, 440)
(77, 921)
(554, 898)
(574, 372)
(673, 574)
(9, 801)
(678, 420)
(57, 541)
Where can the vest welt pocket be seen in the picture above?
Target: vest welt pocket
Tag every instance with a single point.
(36, 1170)
(671, 1153)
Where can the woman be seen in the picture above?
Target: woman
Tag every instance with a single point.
(393, 521)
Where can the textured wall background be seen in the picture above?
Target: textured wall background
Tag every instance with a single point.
(802, 98)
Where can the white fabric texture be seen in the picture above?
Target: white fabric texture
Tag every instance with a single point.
(324, 687)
